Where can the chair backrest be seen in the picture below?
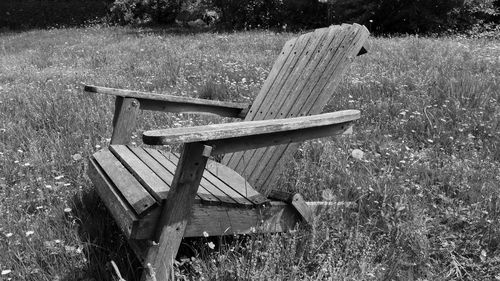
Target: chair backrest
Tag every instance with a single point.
(301, 82)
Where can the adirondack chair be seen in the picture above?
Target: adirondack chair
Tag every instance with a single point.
(157, 197)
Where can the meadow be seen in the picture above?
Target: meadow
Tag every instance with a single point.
(424, 200)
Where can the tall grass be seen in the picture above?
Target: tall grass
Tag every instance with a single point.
(422, 203)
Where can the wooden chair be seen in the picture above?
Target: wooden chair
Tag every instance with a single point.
(158, 197)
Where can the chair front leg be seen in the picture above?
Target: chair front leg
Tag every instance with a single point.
(176, 211)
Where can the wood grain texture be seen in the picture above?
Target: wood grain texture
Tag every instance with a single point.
(318, 92)
(276, 216)
(176, 210)
(275, 139)
(176, 104)
(248, 128)
(218, 186)
(293, 94)
(147, 177)
(271, 89)
(290, 105)
(124, 119)
(235, 181)
(297, 201)
(208, 193)
(325, 86)
(130, 188)
(303, 94)
(120, 210)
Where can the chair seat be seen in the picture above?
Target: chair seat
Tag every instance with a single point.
(135, 180)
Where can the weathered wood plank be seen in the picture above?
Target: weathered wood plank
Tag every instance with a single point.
(292, 106)
(203, 193)
(176, 210)
(213, 185)
(119, 209)
(176, 104)
(262, 166)
(154, 184)
(131, 189)
(124, 119)
(336, 44)
(272, 139)
(324, 86)
(297, 201)
(209, 193)
(271, 88)
(235, 181)
(271, 108)
(247, 128)
(294, 94)
(216, 185)
(226, 220)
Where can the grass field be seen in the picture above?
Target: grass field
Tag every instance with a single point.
(425, 197)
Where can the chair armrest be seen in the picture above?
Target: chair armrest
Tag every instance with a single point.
(176, 104)
(238, 136)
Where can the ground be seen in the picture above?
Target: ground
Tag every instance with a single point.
(423, 198)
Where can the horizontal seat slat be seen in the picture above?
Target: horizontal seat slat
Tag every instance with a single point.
(130, 188)
(203, 192)
(121, 211)
(155, 185)
(216, 184)
(235, 182)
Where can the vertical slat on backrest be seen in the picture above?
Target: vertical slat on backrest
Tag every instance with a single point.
(301, 82)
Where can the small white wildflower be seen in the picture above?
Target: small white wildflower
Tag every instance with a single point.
(67, 210)
(27, 164)
(205, 234)
(357, 154)
(70, 249)
(48, 186)
(430, 141)
(76, 157)
(20, 151)
(211, 245)
(67, 184)
(59, 177)
(97, 146)
(6, 271)
(29, 233)
(8, 234)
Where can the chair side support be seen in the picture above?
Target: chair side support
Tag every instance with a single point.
(124, 119)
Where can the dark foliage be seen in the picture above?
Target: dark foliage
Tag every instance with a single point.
(237, 14)
(15, 14)
(145, 11)
(380, 16)
(419, 16)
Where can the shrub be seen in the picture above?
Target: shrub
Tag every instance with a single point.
(145, 11)
(271, 13)
(422, 16)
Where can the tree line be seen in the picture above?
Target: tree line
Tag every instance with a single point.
(380, 16)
